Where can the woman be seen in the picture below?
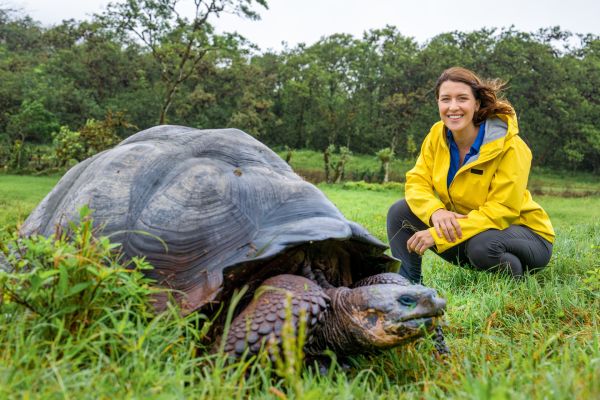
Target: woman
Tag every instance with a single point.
(467, 197)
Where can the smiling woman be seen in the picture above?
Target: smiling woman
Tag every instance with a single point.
(467, 197)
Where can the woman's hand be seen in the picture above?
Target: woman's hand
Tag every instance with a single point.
(446, 224)
(419, 242)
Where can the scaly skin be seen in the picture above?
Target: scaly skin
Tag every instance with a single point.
(345, 320)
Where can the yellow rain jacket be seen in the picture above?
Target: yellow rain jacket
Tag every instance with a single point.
(491, 188)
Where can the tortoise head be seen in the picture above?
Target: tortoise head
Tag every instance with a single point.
(381, 316)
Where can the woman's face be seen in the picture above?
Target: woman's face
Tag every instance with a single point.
(457, 106)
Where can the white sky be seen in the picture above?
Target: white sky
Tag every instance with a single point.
(306, 21)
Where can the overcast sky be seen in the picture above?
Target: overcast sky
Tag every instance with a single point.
(305, 21)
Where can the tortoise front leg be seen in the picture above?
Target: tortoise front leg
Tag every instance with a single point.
(261, 322)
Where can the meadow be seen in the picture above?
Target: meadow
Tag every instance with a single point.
(535, 338)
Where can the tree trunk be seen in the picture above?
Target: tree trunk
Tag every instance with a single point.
(326, 155)
(386, 169)
(167, 104)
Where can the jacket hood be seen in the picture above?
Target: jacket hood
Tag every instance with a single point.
(501, 125)
(499, 129)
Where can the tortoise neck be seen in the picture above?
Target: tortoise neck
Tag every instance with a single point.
(336, 330)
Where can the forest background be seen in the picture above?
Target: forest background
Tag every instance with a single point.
(75, 88)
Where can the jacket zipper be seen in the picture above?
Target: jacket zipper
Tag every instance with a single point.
(479, 161)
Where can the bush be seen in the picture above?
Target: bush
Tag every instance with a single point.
(71, 311)
(66, 285)
(68, 146)
(376, 187)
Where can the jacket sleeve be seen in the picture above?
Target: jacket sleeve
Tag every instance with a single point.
(419, 191)
(504, 200)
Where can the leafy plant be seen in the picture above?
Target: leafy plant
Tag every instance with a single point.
(68, 146)
(64, 284)
(94, 137)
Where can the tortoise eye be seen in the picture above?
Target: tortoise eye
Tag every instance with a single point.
(407, 300)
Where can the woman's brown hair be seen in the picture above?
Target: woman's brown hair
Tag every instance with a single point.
(486, 91)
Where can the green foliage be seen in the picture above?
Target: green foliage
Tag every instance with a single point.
(377, 187)
(26, 157)
(64, 284)
(177, 44)
(32, 121)
(593, 279)
(69, 146)
(97, 136)
(144, 59)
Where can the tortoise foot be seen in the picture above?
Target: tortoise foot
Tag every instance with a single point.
(277, 299)
(439, 342)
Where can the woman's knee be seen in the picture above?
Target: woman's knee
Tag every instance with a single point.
(398, 210)
(485, 250)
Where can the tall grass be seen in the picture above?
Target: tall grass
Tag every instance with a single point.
(536, 338)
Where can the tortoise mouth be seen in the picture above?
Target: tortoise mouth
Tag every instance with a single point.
(428, 321)
(432, 314)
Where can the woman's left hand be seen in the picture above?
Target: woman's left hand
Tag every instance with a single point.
(419, 242)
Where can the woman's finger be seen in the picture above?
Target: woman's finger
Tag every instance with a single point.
(449, 232)
(456, 226)
(438, 229)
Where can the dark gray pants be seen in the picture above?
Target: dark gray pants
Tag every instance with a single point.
(515, 249)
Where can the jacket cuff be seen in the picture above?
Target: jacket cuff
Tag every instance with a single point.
(441, 244)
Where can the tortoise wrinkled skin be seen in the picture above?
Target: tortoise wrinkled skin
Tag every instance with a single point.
(215, 210)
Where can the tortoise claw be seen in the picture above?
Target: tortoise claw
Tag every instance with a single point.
(439, 342)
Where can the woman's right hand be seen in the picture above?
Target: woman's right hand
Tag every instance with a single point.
(446, 223)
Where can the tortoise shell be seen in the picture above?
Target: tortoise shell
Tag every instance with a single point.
(226, 208)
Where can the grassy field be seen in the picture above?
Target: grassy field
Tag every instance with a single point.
(309, 164)
(537, 338)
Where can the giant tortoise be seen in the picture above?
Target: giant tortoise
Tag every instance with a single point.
(229, 212)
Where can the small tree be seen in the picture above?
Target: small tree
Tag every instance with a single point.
(338, 166)
(385, 156)
(289, 152)
(177, 43)
(327, 161)
(411, 146)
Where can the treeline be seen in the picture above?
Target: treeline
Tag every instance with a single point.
(146, 65)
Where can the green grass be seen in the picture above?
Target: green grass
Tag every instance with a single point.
(538, 338)
(19, 194)
(309, 163)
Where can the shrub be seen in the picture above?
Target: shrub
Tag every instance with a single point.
(94, 137)
(65, 285)
(68, 146)
(376, 187)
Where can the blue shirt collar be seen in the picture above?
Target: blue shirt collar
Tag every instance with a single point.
(454, 153)
(476, 146)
